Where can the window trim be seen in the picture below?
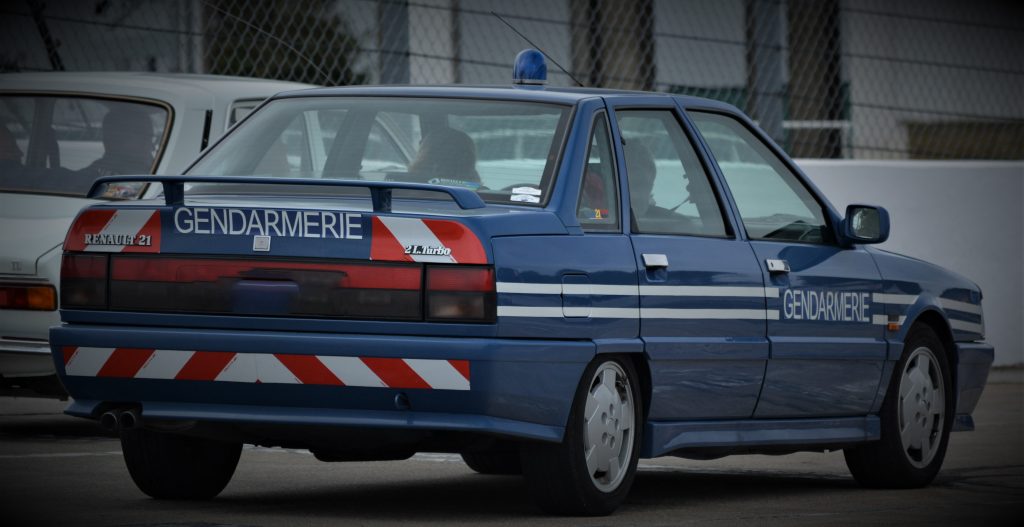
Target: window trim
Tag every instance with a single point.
(617, 229)
(675, 111)
(161, 148)
(826, 209)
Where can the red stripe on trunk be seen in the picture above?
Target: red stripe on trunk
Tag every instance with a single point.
(88, 222)
(466, 247)
(68, 352)
(151, 229)
(309, 370)
(462, 366)
(125, 362)
(204, 365)
(395, 373)
(384, 245)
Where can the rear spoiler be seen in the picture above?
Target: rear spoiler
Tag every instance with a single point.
(380, 191)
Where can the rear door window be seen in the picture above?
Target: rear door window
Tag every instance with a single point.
(59, 145)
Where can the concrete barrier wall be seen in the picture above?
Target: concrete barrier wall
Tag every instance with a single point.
(963, 215)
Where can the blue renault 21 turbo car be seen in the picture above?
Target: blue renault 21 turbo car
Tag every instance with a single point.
(548, 281)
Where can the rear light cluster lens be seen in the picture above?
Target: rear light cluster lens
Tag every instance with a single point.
(463, 293)
(260, 287)
(362, 290)
(83, 281)
(28, 297)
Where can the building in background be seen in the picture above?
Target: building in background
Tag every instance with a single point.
(827, 78)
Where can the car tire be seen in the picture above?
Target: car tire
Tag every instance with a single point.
(560, 478)
(176, 467)
(494, 462)
(916, 418)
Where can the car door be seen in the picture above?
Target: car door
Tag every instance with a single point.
(702, 305)
(827, 353)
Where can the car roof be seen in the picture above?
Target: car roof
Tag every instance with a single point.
(557, 95)
(141, 83)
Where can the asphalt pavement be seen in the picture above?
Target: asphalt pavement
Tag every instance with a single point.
(59, 470)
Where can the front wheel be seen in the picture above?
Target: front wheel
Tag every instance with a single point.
(176, 467)
(916, 419)
(591, 471)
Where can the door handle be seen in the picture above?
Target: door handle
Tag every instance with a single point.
(654, 261)
(776, 265)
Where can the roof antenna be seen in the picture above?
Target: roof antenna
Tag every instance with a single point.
(578, 83)
(279, 40)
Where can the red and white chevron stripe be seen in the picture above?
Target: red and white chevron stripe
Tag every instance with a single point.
(392, 234)
(266, 368)
(121, 222)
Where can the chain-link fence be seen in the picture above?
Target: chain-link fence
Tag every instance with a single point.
(826, 78)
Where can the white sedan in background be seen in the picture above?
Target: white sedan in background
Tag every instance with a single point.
(58, 132)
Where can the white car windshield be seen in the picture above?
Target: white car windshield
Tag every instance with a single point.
(505, 150)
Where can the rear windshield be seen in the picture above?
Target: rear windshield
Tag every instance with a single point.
(504, 150)
(60, 144)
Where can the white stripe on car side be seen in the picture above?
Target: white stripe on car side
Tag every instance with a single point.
(632, 290)
(887, 298)
(967, 326)
(963, 307)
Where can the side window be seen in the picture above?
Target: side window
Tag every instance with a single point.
(598, 206)
(773, 203)
(670, 192)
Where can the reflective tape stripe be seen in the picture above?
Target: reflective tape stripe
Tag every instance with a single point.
(124, 222)
(268, 368)
(529, 289)
(717, 291)
(886, 298)
(967, 326)
(558, 312)
(963, 307)
(632, 290)
(439, 374)
(412, 231)
(709, 314)
(883, 320)
(352, 372)
(646, 313)
(164, 364)
(598, 289)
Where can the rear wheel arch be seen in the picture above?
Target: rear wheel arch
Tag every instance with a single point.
(642, 365)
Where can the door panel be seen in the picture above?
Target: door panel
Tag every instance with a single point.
(702, 320)
(827, 355)
(702, 301)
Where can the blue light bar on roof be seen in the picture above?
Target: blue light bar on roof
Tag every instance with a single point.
(530, 68)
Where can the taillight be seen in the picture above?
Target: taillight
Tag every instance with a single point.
(28, 296)
(266, 287)
(83, 281)
(460, 293)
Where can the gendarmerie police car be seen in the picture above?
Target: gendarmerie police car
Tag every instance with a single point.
(551, 281)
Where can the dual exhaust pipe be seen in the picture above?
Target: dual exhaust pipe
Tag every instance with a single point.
(120, 419)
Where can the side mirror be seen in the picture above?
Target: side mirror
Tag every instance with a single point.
(866, 224)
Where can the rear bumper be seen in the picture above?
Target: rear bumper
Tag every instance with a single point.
(25, 358)
(516, 388)
(974, 359)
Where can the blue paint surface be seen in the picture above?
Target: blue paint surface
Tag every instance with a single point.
(797, 376)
